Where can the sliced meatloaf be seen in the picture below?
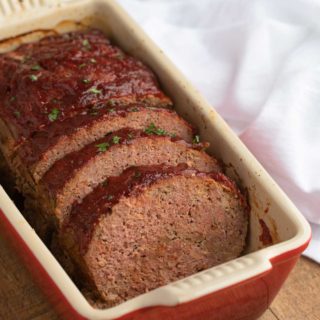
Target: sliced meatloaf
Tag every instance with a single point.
(153, 225)
(38, 154)
(63, 75)
(77, 174)
(114, 180)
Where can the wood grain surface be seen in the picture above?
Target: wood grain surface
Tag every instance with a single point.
(20, 299)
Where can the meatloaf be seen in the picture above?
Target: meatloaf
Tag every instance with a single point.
(113, 179)
(37, 155)
(81, 171)
(61, 77)
(152, 225)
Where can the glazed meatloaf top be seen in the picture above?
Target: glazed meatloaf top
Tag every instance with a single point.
(63, 75)
(153, 225)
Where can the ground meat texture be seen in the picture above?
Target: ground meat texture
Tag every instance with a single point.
(114, 180)
(151, 226)
(76, 175)
(36, 156)
(63, 75)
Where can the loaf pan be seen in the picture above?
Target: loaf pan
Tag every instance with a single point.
(239, 289)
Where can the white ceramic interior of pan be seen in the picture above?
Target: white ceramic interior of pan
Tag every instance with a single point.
(287, 226)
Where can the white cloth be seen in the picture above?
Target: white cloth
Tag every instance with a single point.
(258, 63)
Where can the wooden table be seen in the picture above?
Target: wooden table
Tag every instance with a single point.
(20, 299)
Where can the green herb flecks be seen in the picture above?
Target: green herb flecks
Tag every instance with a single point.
(36, 67)
(95, 90)
(105, 183)
(53, 115)
(112, 110)
(111, 103)
(102, 147)
(152, 129)
(86, 44)
(33, 77)
(196, 139)
(137, 174)
(130, 136)
(109, 197)
(25, 59)
(86, 81)
(17, 113)
(120, 55)
(13, 98)
(82, 65)
(116, 139)
(134, 109)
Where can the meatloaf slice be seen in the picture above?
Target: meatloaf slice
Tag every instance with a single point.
(76, 175)
(38, 154)
(154, 225)
(63, 75)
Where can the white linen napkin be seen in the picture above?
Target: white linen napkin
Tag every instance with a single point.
(258, 63)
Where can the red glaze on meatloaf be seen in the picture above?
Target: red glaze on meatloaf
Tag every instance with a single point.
(81, 171)
(60, 138)
(63, 75)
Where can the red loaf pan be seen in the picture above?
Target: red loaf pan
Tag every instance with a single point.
(239, 289)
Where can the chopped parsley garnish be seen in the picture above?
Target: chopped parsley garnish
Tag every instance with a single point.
(13, 98)
(137, 174)
(53, 115)
(85, 80)
(25, 59)
(86, 44)
(109, 197)
(36, 67)
(120, 55)
(115, 139)
(134, 109)
(94, 90)
(33, 77)
(102, 147)
(152, 129)
(17, 113)
(54, 100)
(112, 110)
(93, 60)
(111, 103)
(82, 65)
(130, 135)
(196, 139)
